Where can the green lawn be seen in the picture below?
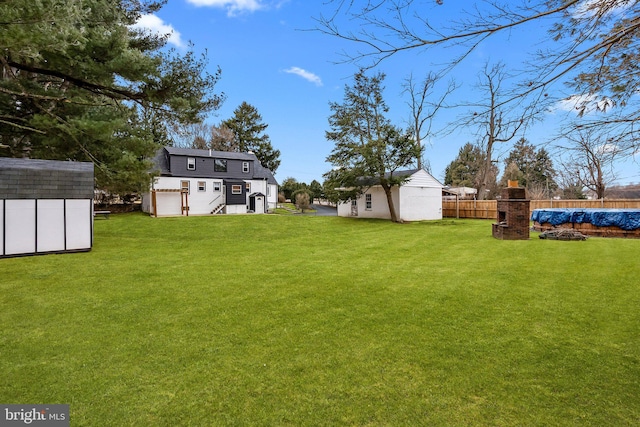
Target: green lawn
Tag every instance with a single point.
(272, 320)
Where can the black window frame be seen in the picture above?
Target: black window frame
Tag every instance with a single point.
(220, 165)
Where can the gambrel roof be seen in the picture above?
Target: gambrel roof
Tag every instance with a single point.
(258, 171)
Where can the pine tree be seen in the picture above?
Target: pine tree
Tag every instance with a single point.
(79, 82)
(367, 145)
(248, 128)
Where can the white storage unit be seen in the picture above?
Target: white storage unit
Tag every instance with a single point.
(46, 206)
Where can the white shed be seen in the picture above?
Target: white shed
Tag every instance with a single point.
(418, 199)
(46, 206)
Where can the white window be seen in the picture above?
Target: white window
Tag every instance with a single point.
(202, 186)
(367, 199)
(245, 167)
(184, 186)
(236, 189)
(247, 185)
(191, 163)
(216, 186)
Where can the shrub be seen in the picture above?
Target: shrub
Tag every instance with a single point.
(302, 201)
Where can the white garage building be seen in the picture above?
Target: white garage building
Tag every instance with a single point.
(417, 199)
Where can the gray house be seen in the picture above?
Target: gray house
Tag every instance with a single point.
(206, 182)
(46, 206)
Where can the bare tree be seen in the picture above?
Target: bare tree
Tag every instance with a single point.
(223, 139)
(569, 184)
(302, 201)
(592, 46)
(204, 136)
(193, 135)
(423, 111)
(591, 156)
(495, 123)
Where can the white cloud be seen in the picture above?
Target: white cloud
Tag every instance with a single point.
(608, 148)
(155, 25)
(233, 7)
(587, 9)
(307, 75)
(586, 103)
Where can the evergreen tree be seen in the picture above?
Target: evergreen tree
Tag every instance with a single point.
(512, 173)
(288, 186)
(367, 145)
(544, 174)
(523, 156)
(248, 128)
(316, 190)
(536, 172)
(464, 170)
(79, 82)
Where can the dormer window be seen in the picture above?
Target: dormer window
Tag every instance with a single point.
(191, 163)
(220, 165)
(245, 167)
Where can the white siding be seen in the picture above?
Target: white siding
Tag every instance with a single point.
(235, 209)
(50, 225)
(47, 225)
(20, 217)
(419, 204)
(272, 196)
(419, 199)
(79, 223)
(200, 202)
(422, 179)
(379, 204)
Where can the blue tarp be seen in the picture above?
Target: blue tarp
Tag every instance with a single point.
(626, 219)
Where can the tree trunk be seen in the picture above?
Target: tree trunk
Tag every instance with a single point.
(392, 209)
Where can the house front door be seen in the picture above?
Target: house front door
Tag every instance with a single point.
(354, 208)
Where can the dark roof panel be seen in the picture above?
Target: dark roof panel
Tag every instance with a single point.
(192, 152)
(396, 174)
(162, 163)
(45, 179)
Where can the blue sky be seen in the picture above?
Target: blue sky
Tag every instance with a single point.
(290, 75)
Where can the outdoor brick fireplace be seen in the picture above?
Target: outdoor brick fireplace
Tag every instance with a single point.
(513, 214)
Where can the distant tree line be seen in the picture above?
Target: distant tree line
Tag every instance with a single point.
(533, 169)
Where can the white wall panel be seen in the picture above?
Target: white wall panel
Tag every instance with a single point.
(79, 221)
(20, 226)
(419, 204)
(1, 227)
(50, 220)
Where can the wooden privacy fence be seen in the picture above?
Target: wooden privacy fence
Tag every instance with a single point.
(487, 209)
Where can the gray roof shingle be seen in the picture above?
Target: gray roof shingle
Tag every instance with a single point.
(45, 179)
